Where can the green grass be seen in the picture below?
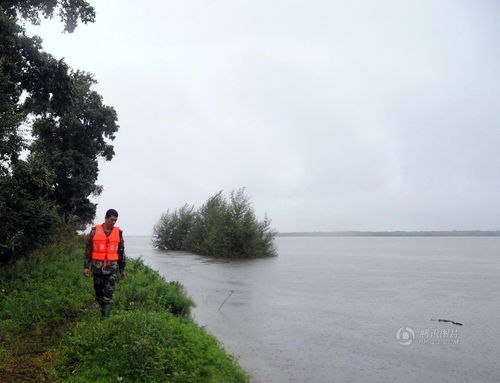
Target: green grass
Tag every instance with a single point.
(144, 289)
(50, 327)
(145, 347)
(43, 292)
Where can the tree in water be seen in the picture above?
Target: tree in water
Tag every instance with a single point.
(221, 227)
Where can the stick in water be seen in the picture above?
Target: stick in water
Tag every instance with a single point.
(447, 320)
(231, 293)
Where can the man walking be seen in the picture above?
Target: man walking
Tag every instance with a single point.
(105, 256)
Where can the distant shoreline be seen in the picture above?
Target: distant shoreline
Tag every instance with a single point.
(452, 233)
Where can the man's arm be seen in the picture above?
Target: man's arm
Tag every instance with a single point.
(121, 256)
(87, 256)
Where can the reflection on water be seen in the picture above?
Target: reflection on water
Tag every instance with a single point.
(329, 309)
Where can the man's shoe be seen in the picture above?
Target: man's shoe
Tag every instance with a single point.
(106, 309)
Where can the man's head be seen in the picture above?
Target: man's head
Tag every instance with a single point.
(110, 218)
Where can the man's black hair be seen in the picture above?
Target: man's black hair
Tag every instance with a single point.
(111, 213)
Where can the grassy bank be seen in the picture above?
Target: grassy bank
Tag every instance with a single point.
(50, 327)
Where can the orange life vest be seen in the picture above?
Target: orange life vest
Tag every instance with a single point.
(105, 248)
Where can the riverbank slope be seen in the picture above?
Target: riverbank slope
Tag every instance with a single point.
(50, 327)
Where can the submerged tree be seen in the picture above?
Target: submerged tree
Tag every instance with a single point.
(173, 227)
(221, 227)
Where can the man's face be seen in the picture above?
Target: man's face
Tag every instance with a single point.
(110, 221)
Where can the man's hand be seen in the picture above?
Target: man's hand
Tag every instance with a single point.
(123, 275)
(86, 272)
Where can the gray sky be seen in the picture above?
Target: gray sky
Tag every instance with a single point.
(334, 115)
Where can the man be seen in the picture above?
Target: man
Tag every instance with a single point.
(105, 255)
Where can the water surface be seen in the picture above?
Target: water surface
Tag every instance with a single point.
(329, 309)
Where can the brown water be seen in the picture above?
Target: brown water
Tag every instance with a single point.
(329, 309)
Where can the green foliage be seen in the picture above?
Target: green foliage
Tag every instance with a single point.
(48, 288)
(66, 120)
(42, 291)
(221, 227)
(144, 289)
(11, 142)
(47, 307)
(146, 347)
(28, 218)
(70, 11)
(70, 144)
(174, 227)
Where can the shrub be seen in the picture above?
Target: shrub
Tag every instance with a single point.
(173, 227)
(28, 219)
(145, 289)
(221, 227)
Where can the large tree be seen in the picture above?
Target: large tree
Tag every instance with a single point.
(70, 143)
(70, 11)
(53, 129)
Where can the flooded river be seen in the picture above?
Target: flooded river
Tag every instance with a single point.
(350, 309)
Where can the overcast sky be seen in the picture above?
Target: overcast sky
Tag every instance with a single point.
(334, 115)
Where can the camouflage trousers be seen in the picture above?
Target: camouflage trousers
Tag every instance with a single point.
(104, 286)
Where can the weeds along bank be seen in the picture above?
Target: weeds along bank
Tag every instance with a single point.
(50, 327)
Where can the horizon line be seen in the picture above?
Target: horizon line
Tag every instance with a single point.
(347, 233)
(373, 232)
